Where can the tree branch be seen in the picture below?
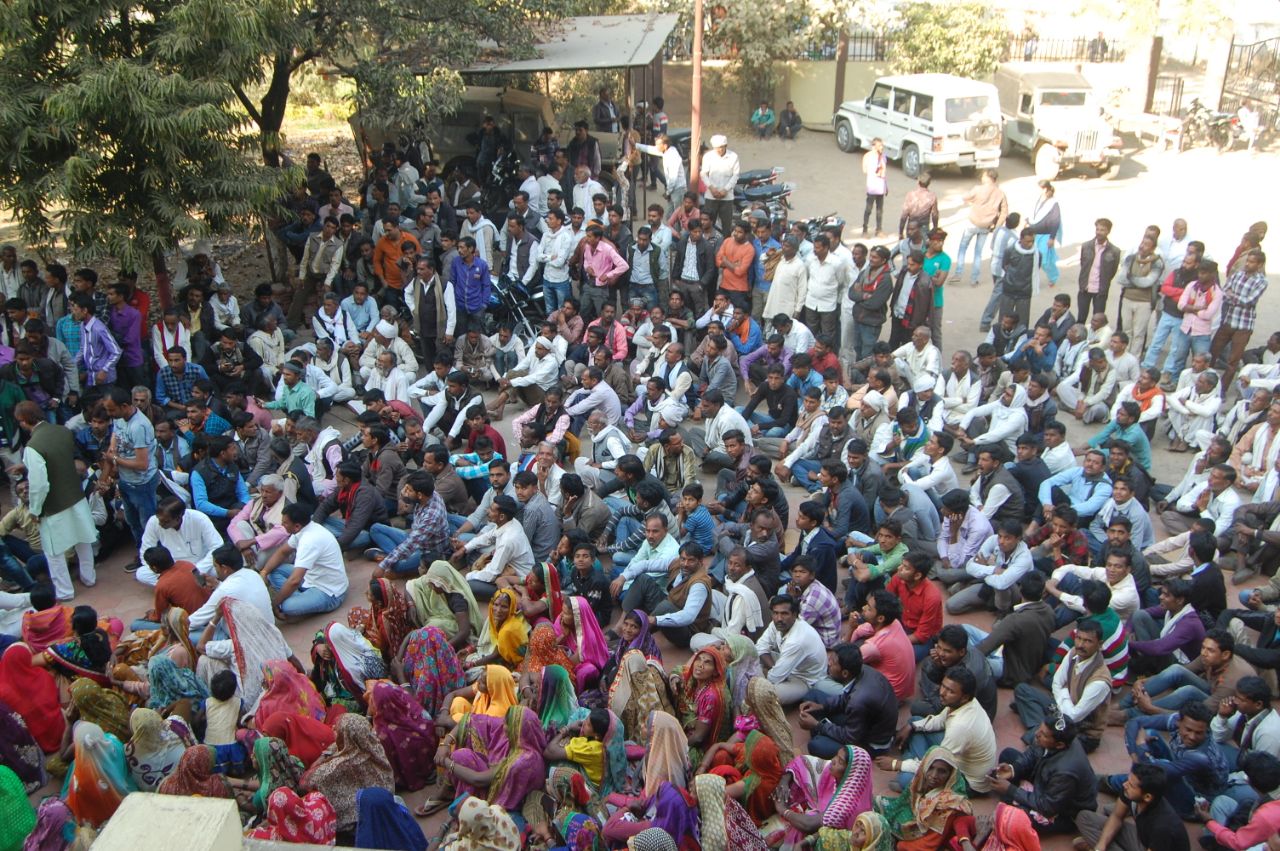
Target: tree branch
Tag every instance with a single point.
(302, 59)
(248, 105)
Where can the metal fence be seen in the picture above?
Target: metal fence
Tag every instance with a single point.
(1031, 48)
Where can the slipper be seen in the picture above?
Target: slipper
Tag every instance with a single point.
(430, 807)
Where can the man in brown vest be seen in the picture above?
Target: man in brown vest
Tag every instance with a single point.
(57, 499)
(1081, 690)
(680, 607)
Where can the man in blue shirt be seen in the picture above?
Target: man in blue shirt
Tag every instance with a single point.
(471, 285)
(741, 322)
(765, 245)
(1125, 427)
(1039, 349)
(217, 488)
(1084, 488)
(1191, 759)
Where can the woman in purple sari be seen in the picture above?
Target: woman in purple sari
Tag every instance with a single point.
(505, 773)
(468, 754)
(671, 809)
(406, 733)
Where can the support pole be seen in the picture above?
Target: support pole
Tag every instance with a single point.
(695, 123)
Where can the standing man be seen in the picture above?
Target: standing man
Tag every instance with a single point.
(720, 173)
(471, 286)
(56, 498)
(828, 280)
(1099, 262)
(133, 453)
(673, 172)
(937, 266)
(99, 351)
(1240, 296)
(988, 208)
(875, 166)
(920, 206)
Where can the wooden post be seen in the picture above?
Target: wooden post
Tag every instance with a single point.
(1153, 72)
(695, 123)
(842, 59)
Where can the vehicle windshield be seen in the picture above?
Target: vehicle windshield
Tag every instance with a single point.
(960, 110)
(1064, 98)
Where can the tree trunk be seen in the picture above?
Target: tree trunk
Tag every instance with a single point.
(164, 285)
(273, 104)
(842, 59)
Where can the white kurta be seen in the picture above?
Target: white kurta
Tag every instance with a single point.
(62, 531)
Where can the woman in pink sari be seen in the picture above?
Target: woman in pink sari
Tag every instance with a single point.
(815, 794)
(475, 744)
(406, 734)
(505, 773)
(286, 690)
(580, 633)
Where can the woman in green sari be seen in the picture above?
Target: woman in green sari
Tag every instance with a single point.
(923, 817)
(443, 599)
(556, 699)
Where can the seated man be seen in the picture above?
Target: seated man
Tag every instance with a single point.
(1193, 763)
(818, 606)
(1067, 584)
(307, 573)
(258, 528)
(511, 557)
(1081, 690)
(951, 649)
(1209, 678)
(746, 601)
(759, 535)
(679, 604)
(1157, 645)
(1155, 823)
(1084, 488)
(217, 489)
(1015, 648)
(920, 599)
(635, 545)
(1122, 503)
(186, 533)
(864, 713)
(791, 652)
(1052, 779)
(884, 643)
(870, 567)
(352, 508)
(1001, 561)
(398, 552)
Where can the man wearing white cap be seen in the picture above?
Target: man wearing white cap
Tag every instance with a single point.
(536, 373)
(720, 172)
(386, 338)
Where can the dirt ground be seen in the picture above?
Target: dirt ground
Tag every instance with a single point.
(1154, 187)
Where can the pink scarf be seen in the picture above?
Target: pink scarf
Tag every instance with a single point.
(589, 639)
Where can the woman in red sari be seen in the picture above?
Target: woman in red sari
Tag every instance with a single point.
(540, 600)
(386, 622)
(703, 704)
(751, 769)
(33, 694)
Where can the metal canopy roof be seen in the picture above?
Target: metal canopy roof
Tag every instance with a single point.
(591, 42)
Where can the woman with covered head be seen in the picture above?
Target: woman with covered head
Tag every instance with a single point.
(638, 690)
(816, 794)
(386, 623)
(725, 824)
(356, 761)
(443, 599)
(634, 633)
(99, 779)
(504, 638)
(703, 704)
(579, 632)
(924, 816)
(343, 661)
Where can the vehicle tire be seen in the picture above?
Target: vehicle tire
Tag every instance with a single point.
(1110, 172)
(1045, 162)
(911, 165)
(845, 139)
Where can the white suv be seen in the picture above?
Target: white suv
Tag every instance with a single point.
(925, 120)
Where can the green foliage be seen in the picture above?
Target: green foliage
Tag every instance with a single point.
(119, 130)
(963, 39)
(755, 35)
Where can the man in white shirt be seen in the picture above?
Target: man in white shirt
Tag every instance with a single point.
(1081, 687)
(1066, 588)
(962, 391)
(919, 357)
(307, 572)
(555, 250)
(1122, 360)
(796, 336)
(234, 582)
(585, 189)
(1174, 246)
(187, 534)
(1215, 499)
(1002, 560)
(673, 172)
(719, 172)
(1058, 454)
(483, 231)
(707, 442)
(930, 469)
(511, 551)
(388, 377)
(679, 598)
(608, 444)
(536, 373)
(829, 278)
(791, 651)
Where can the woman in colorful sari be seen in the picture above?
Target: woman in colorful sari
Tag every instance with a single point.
(742, 665)
(751, 771)
(19, 750)
(407, 735)
(155, 747)
(86, 654)
(32, 692)
(305, 737)
(173, 690)
(762, 704)
(560, 817)
(671, 809)
(639, 689)
(633, 634)
(479, 740)
(556, 699)
(99, 779)
(725, 824)
(815, 794)
(386, 622)
(101, 707)
(482, 827)
(385, 823)
(922, 818)
(444, 600)
(505, 636)
(53, 821)
(253, 640)
(579, 632)
(703, 704)
(356, 761)
(196, 775)
(544, 651)
(286, 690)
(342, 660)
(274, 768)
(540, 600)
(17, 816)
(308, 820)
(493, 694)
(667, 754)
(1011, 830)
(172, 639)
(502, 773)
(429, 668)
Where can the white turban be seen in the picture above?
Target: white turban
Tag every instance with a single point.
(386, 329)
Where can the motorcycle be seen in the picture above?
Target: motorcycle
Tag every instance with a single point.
(499, 185)
(1204, 126)
(815, 226)
(760, 188)
(515, 304)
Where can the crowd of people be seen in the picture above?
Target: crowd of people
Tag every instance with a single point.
(719, 455)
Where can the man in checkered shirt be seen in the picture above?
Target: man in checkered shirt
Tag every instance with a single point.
(1239, 312)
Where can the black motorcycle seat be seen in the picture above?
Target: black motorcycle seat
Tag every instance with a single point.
(754, 175)
(763, 193)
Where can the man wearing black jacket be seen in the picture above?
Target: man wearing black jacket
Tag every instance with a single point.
(1062, 780)
(1099, 262)
(42, 381)
(951, 649)
(693, 276)
(351, 508)
(863, 713)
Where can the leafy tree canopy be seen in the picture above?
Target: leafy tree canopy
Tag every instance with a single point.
(963, 39)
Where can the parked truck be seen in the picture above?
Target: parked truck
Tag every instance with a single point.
(1055, 118)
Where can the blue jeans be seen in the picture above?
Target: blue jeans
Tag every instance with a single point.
(980, 235)
(455, 523)
(864, 338)
(1183, 686)
(918, 744)
(762, 419)
(303, 601)
(993, 305)
(337, 526)
(648, 292)
(1069, 584)
(1166, 326)
(801, 470)
(1178, 792)
(1179, 348)
(504, 362)
(387, 538)
(995, 660)
(554, 293)
(139, 503)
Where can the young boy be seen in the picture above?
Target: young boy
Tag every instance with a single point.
(586, 578)
(222, 709)
(693, 520)
(583, 743)
(473, 467)
(833, 392)
(870, 567)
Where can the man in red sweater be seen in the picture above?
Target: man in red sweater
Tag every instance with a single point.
(921, 601)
